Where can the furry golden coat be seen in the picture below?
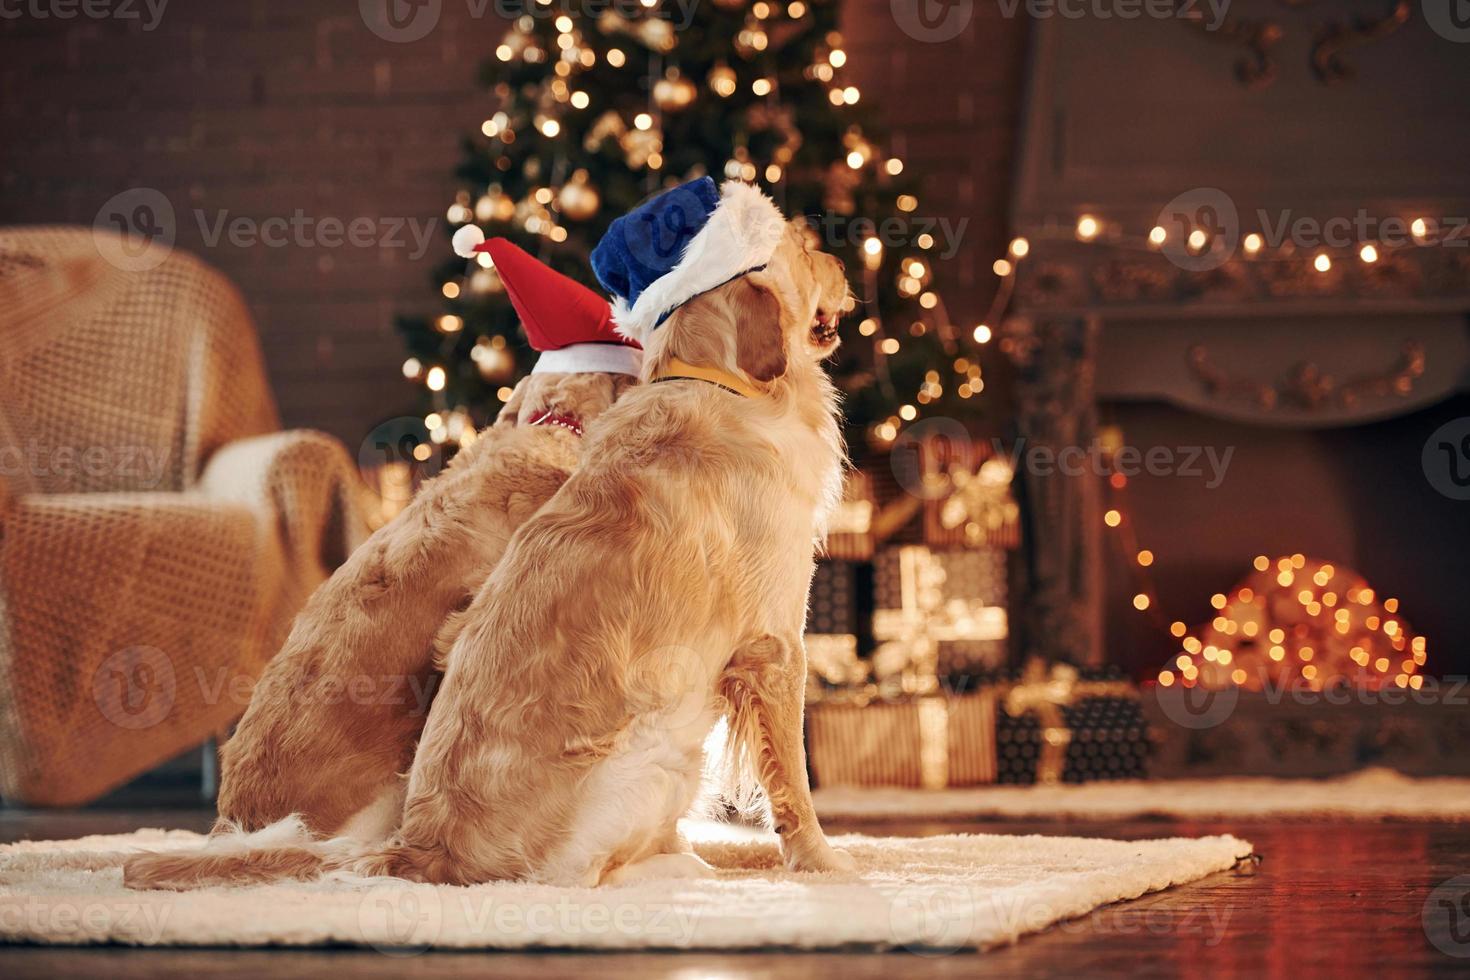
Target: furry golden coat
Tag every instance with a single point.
(662, 588)
(336, 715)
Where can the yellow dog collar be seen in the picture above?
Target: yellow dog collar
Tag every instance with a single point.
(677, 370)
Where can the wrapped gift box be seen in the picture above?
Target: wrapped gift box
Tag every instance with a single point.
(936, 619)
(1068, 726)
(924, 742)
(836, 604)
(1032, 726)
(1108, 740)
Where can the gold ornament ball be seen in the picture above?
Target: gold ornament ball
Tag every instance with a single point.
(578, 199)
(639, 145)
(492, 359)
(495, 205)
(722, 80)
(673, 92)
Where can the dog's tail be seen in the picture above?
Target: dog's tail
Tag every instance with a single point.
(284, 851)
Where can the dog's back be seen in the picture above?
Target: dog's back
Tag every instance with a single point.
(336, 713)
(580, 693)
(335, 716)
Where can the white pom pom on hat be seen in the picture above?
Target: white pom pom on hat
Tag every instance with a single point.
(466, 239)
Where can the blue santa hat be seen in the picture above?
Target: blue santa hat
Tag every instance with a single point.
(683, 242)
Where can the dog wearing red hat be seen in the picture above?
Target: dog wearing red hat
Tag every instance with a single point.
(335, 717)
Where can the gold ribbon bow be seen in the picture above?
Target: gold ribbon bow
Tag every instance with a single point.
(1046, 693)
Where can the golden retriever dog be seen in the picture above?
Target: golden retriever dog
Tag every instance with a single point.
(663, 587)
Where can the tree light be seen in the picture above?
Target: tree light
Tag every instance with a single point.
(1020, 247)
(1087, 227)
(982, 334)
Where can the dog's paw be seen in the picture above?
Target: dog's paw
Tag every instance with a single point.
(819, 859)
(661, 866)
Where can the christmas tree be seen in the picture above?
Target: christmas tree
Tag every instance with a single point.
(593, 114)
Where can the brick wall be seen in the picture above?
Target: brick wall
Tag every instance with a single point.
(257, 109)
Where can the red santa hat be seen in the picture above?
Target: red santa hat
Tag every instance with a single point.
(567, 322)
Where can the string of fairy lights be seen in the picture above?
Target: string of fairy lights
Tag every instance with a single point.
(640, 137)
(1194, 242)
(569, 194)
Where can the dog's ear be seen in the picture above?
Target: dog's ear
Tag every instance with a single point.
(760, 341)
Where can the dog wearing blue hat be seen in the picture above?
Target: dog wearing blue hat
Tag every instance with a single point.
(658, 599)
(660, 596)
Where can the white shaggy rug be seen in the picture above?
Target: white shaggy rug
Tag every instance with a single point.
(1371, 794)
(942, 893)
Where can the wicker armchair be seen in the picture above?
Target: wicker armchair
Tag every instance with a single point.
(157, 533)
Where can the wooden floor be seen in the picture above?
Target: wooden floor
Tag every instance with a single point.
(1327, 898)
